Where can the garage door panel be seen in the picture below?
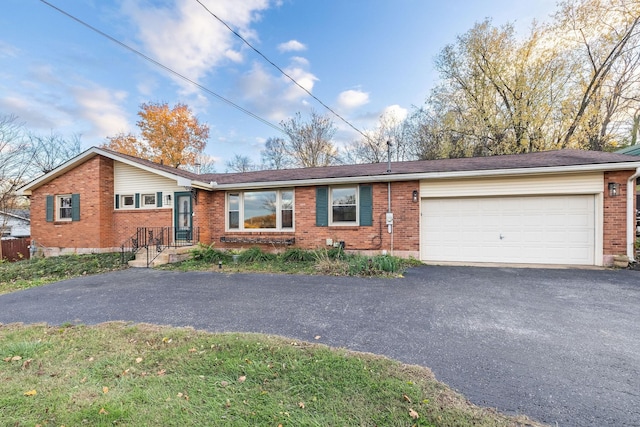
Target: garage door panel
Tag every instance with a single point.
(538, 229)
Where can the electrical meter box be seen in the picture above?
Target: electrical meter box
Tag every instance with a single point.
(389, 218)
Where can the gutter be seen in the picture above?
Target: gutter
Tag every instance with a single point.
(416, 176)
(631, 215)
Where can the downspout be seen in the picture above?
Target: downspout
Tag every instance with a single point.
(631, 215)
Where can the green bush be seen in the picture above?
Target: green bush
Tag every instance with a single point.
(255, 254)
(298, 255)
(207, 254)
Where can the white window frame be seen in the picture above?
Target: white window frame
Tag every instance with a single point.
(59, 200)
(278, 227)
(143, 202)
(123, 205)
(356, 188)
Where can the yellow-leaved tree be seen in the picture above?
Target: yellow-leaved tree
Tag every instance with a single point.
(171, 136)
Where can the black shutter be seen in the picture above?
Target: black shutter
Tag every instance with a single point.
(322, 206)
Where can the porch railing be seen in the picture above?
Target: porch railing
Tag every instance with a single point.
(157, 239)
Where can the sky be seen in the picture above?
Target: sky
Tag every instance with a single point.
(362, 58)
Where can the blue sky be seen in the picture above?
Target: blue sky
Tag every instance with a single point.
(361, 57)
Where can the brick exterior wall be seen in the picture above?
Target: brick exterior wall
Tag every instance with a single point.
(101, 228)
(367, 239)
(93, 180)
(615, 215)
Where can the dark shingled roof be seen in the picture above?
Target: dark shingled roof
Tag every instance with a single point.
(541, 159)
(514, 161)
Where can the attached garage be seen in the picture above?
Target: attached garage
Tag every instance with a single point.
(510, 221)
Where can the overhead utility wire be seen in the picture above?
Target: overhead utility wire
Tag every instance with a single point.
(282, 71)
(164, 67)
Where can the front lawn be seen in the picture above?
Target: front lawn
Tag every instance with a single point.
(119, 374)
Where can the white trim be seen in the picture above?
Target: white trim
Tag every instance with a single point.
(72, 163)
(241, 217)
(555, 170)
(631, 215)
(333, 223)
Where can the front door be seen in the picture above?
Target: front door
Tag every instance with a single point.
(183, 219)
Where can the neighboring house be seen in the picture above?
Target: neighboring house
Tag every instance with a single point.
(556, 207)
(14, 224)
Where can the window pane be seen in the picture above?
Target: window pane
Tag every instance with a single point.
(343, 196)
(260, 209)
(65, 207)
(344, 213)
(234, 210)
(127, 200)
(343, 202)
(287, 209)
(149, 199)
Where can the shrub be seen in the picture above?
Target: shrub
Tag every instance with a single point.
(298, 255)
(255, 254)
(206, 253)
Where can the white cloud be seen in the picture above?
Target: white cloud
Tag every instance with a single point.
(7, 50)
(350, 99)
(187, 39)
(101, 107)
(274, 96)
(291, 46)
(395, 112)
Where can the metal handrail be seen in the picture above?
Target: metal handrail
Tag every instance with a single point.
(159, 238)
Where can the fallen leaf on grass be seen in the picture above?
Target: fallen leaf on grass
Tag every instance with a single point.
(192, 350)
(105, 390)
(413, 414)
(405, 397)
(161, 372)
(242, 379)
(30, 393)
(103, 411)
(16, 358)
(224, 383)
(138, 359)
(301, 405)
(27, 363)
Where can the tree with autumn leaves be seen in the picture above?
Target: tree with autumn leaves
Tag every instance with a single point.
(170, 136)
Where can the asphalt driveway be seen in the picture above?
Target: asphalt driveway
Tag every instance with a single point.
(562, 346)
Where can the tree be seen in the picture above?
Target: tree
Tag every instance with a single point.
(603, 36)
(50, 151)
(372, 148)
(309, 142)
(14, 162)
(240, 163)
(274, 154)
(171, 136)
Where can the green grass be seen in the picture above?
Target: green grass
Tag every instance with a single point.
(137, 375)
(39, 271)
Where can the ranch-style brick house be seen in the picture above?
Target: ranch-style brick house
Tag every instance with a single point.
(557, 207)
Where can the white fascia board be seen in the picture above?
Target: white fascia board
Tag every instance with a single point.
(70, 164)
(429, 175)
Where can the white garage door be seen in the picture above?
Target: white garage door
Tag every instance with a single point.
(535, 230)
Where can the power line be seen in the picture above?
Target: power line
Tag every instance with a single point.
(282, 71)
(166, 68)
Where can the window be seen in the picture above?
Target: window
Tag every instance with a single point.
(260, 210)
(127, 201)
(62, 207)
(344, 205)
(148, 200)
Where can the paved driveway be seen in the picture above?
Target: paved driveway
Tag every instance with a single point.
(558, 345)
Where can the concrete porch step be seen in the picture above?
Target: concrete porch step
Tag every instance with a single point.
(167, 256)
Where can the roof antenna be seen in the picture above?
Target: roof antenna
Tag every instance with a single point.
(389, 156)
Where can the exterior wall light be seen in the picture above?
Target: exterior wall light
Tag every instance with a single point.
(414, 196)
(614, 189)
(167, 199)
